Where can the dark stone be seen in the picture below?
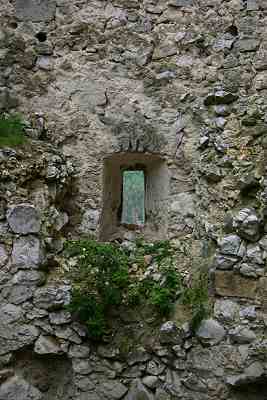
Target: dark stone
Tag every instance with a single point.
(220, 97)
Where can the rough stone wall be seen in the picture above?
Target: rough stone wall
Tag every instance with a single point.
(183, 79)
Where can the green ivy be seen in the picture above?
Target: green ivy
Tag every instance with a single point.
(11, 130)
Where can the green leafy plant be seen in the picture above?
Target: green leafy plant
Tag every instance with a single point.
(99, 279)
(11, 130)
(101, 282)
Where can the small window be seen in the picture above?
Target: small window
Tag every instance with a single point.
(133, 198)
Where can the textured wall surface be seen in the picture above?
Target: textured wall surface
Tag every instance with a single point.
(185, 80)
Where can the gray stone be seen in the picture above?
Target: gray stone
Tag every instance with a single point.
(155, 367)
(150, 381)
(231, 245)
(252, 5)
(226, 310)
(246, 45)
(139, 355)
(10, 313)
(263, 243)
(248, 270)
(224, 262)
(60, 317)
(194, 383)
(248, 313)
(29, 278)
(61, 220)
(139, 392)
(84, 383)
(252, 374)
(180, 3)
(89, 221)
(34, 10)
(81, 366)
(24, 218)
(27, 252)
(179, 351)
(18, 294)
(87, 94)
(210, 332)
(260, 61)
(220, 97)
(16, 388)
(222, 110)
(162, 395)
(225, 41)
(45, 63)
(67, 333)
(170, 333)
(165, 49)
(52, 297)
(242, 335)
(35, 313)
(247, 224)
(16, 336)
(254, 254)
(112, 390)
(47, 345)
(183, 203)
(79, 351)
(108, 351)
(3, 256)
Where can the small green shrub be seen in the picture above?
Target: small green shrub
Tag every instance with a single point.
(101, 282)
(11, 130)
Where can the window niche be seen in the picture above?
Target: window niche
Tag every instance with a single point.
(135, 196)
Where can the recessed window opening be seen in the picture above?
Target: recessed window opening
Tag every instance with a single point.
(133, 198)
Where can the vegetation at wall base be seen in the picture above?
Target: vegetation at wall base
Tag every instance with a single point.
(102, 281)
(11, 130)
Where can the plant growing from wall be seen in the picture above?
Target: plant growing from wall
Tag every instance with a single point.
(11, 130)
(101, 281)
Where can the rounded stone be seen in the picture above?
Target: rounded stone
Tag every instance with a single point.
(210, 332)
(24, 218)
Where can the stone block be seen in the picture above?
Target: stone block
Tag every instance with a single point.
(246, 45)
(35, 10)
(47, 345)
(227, 283)
(27, 252)
(210, 332)
(17, 388)
(52, 297)
(24, 218)
(180, 3)
(252, 5)
(112, 390)
(3, 256)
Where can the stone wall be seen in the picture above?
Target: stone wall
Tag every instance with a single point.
(183, 80)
